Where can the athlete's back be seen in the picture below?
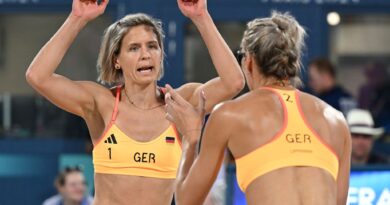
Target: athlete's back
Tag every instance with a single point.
(262, 118)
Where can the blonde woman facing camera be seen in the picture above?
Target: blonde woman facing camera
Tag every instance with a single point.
(289, 147)
(136, 150)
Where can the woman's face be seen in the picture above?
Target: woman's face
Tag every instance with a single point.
(140, 55)
(74, 187)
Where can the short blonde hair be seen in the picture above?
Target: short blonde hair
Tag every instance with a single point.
(112, 42)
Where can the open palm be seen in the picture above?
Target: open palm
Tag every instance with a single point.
(192, 8)
(88, 9)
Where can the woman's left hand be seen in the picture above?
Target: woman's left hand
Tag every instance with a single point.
(192, 8)
(185, 116)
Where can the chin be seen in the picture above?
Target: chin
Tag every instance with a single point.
(147, 81)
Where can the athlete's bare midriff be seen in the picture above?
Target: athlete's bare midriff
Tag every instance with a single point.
(125, 190)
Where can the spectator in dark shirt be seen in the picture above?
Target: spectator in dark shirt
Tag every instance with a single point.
(363, 135)
(322, 82)
(375, 94)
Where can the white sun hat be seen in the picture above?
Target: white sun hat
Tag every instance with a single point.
(361, 122)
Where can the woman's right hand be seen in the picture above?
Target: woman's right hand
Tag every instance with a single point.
(182, 114)
(88, 10)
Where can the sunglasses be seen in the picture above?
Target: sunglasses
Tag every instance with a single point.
(239, 54)
(362, 136)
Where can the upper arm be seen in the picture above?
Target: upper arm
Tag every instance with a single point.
(206, 166)
(344, 166)
(215, 90)
(73, 96)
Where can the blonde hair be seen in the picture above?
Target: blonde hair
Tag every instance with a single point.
(112, 42)
(276, 44)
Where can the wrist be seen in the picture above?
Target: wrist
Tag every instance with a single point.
(192, 136)
(201, 18)
(77, 20)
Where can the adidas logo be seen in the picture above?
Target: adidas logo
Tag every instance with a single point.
(111, 140)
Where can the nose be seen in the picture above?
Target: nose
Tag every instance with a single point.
(145, 54)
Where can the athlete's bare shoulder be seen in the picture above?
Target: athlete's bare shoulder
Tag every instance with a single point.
(327, 119)
(240, 109)
(332, 115)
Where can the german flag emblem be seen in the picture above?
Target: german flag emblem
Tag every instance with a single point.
(170, 140)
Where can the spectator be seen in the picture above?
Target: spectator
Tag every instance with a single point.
(322, 82)
(71, 187)
(375, 94)
(363, 135)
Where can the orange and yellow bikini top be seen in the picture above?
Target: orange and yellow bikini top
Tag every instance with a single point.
(117, 153)
(297, 144)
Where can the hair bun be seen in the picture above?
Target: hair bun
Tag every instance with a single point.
(281, 23)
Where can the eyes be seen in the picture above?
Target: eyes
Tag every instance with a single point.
(149, 46)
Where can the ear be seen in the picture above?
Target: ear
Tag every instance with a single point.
(117, 65)
(249, 64)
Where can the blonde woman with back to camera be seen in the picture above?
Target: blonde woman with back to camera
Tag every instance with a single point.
(136, 150)
(289, 146)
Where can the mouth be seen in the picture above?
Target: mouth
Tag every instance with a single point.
(145, 69)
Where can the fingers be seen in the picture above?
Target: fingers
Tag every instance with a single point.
(170, 105)
(202, 101)
(174, 95)
(168, 99)
(171, 111)
(169, 118)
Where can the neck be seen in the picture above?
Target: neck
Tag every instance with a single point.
(71, 202)
(359, 160)
(271, 82)
(141, 96)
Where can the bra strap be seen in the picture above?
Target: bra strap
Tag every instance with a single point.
(118, 95)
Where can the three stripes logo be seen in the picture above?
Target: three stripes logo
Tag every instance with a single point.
(111, 140)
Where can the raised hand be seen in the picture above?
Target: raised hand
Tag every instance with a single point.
(192, 8)
(88, 9)
(186, 117)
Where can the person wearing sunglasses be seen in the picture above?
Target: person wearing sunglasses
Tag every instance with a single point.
(289, 146)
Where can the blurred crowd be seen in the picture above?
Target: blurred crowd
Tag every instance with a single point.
(368, 115)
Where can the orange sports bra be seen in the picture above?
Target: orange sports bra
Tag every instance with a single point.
(297, 144)
(117, 153)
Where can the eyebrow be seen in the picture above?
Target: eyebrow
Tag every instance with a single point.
(138, 44)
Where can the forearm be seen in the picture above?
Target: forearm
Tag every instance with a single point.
(49, 57)
(223, 59)
(189, 155)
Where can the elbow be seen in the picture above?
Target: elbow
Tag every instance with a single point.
(180, 200)
(178, 197)
(237, 85)
(182, 197)
(33, 78)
